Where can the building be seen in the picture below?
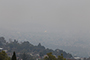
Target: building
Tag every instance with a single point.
(1, 49)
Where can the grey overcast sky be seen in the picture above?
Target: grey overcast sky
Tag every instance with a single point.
(41, 15)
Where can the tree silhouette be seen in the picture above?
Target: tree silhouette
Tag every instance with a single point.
(14, 56)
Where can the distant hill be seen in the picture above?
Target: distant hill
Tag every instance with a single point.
(77, 45)
(29, 48)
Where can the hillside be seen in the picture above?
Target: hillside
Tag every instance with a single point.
(27, 47)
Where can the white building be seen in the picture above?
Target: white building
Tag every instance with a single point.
(1, 49)
(76, 58)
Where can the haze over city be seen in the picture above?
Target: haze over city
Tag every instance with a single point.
(61, 22)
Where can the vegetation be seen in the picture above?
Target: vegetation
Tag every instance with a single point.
(14, 56)
(4, 56)
(25, 56)
(52, 57)
(27, 47)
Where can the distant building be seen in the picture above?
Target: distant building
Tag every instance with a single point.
(1, 49)
(77, 58)
(5, 50)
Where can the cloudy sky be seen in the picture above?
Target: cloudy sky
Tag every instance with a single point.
(45, 15)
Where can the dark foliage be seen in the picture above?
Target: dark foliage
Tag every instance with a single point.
(29, 48)
(14, 56)
(4, 56)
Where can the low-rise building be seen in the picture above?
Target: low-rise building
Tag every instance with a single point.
(1, 49)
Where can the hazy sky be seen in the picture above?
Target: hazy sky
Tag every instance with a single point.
(70, 18)
(41, 15)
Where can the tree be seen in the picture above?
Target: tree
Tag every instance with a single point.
(61, 57)
(39, 44)
(24, 57)
(52, 57)
(14, 56)
(2, 41)
(4, 56)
